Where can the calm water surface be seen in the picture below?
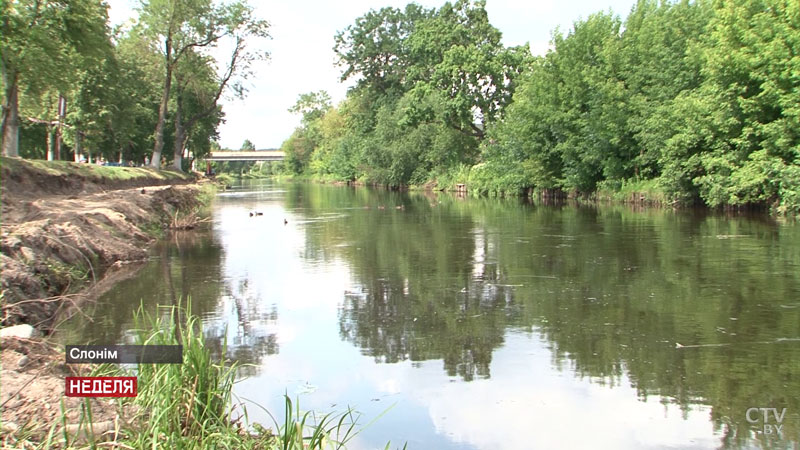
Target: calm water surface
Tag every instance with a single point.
(490, 324)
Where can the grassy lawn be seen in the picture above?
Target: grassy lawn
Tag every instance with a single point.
(89, 171)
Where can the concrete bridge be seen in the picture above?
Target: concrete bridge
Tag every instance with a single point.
(258, 155)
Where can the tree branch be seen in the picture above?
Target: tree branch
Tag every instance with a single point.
(49, 122)
(203, 43)
(235, 57)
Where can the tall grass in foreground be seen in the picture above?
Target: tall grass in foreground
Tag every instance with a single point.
(191, 405)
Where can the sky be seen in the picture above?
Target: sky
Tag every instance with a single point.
(302, 58)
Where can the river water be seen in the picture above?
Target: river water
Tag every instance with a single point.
(463, 323)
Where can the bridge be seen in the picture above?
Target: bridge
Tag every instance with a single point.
(258, 155)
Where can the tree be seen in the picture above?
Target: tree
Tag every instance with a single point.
(40, 44)
(135, 97)
(298, 149)
(458, 52)
(429, 82)
(196, 93)
(312, 106)
(247, 146)
(195, 77)
(750, 64)
(185, 26)
(375, 49)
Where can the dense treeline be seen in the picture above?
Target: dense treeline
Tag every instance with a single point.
(128, 92)
(429, 83)
(689, 102)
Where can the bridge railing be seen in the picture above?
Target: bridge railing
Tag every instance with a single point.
(263, 155)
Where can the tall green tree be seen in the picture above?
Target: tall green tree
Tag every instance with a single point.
(375, 49)
(199, 87)
(181, 26)
(247, 146)
(136, 97)
(429, 81)
(42, 41)
(458, 52)
(750, 63)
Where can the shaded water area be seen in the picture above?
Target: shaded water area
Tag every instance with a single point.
(490, 324)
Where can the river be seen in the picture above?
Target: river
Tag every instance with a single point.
(470, 323)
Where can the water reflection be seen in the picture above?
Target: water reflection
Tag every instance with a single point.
(490, 323)
(185, 265)
(685, 308)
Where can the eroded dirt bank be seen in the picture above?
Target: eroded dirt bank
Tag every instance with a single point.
(62, 229)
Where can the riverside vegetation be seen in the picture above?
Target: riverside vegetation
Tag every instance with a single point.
(188, 405)
(131, 91)
(54, 244)
(682, 102)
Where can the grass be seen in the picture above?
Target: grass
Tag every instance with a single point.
(225, 179)
(90, 171)
(190, 219)
(633, 191)
(61, 274)
(192, 405)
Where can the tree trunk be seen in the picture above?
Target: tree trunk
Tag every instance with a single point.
(10, 124)
(50, 142)
(180, 135)
(162, 110)
(58, 142)
(77, 145)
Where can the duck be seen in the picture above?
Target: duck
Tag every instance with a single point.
(399, 207)
(285, 221)
(381, 207)
(259, 213)
(251, 214)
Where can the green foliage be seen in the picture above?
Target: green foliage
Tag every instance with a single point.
(312, 106)
(118, 90)
(496, 179)
(190, 405)
(45, 46)
(696, 96)
(247, 146)
(429, 82)
(297, 150)
(376, 50)
(185, 32)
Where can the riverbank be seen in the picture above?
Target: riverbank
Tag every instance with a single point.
(69, 229)
(64, 225)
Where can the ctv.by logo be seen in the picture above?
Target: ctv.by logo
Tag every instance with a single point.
(752, 415)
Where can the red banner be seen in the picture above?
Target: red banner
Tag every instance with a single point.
(100, 387)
